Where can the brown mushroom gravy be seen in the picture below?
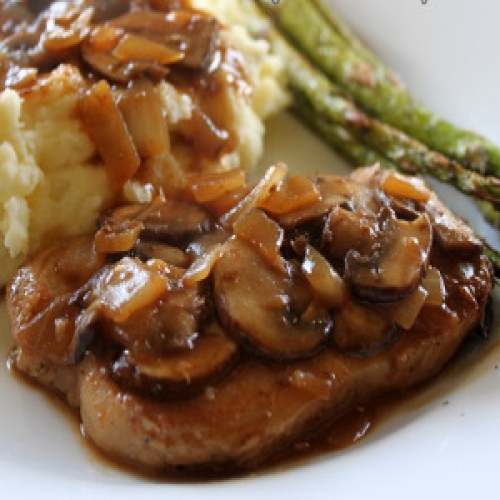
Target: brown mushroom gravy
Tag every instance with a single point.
(300, 281)
(123, 49)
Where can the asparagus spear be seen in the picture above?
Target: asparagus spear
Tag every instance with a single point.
(351, 40)
(374, 87)
(338, 137)
(409, 155)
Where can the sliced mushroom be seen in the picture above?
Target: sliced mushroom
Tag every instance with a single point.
(117, 237)
(146, 250)
(165, 220)
(182, 373)
(174, 220)
(393, 267)
(347, 230)
(451, 232)
(265, 307)
(126, 287)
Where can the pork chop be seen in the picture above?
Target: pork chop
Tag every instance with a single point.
(276, 308)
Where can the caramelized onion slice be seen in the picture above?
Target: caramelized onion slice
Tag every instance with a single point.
(141, 108)
(146, 250)
(405, 312)
(294, 193)
(273, 176)
(433, 284)
(119, 237)
(126, 287)
(104, 64)
(263, 233)
(181, 373)
(137, 48)
(403, 186)
(323, 278)
(202, 266)
(256, 303)
(211, 185)
(105, 125)
(333, 191)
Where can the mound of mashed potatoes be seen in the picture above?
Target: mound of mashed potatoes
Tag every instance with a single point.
(53, 182)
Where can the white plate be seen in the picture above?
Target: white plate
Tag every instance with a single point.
(446, 443)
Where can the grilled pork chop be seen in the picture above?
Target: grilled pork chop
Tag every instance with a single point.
(212, 331)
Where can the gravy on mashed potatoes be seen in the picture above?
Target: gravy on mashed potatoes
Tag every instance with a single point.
(108, 101)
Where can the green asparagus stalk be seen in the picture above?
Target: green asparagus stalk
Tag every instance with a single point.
(355, 43)
(409, 155)
(494, 256)
(338, 137)
(374, 87)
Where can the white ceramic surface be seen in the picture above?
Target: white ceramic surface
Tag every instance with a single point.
(443, 444)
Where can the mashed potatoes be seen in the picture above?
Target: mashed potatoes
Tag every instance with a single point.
(52, 181)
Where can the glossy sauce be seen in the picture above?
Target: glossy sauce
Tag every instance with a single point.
(476, 358)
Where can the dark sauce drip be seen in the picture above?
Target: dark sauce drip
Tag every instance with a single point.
(471, 362)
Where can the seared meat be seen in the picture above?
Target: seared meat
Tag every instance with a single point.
(220, 359)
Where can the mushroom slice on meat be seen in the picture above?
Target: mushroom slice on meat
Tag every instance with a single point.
(174, 220)
(169, 254)
(164, 220)
(394, 265)
(179, 373)
(347, 230)
(451, 232)
(267, 308)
